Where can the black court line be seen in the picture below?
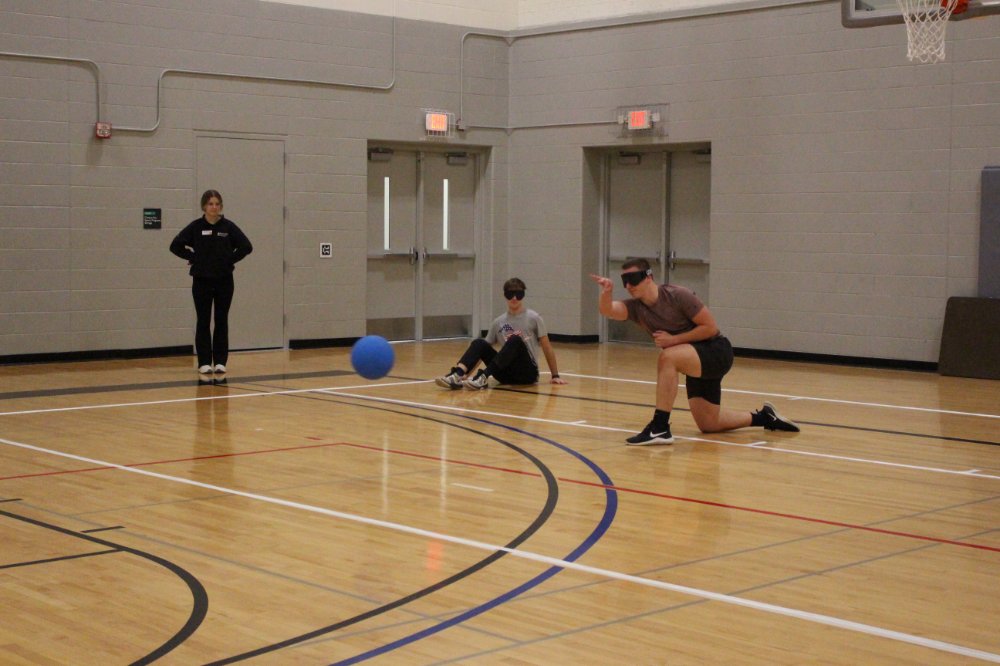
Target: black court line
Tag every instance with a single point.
(341, 373)
(546, 511)
(199, 606)
(146, 386)
(12, 499)
(102, 529)
(59, 559)
(605, 401)
(772, 584)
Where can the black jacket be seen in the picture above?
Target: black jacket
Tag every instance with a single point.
(212, 249)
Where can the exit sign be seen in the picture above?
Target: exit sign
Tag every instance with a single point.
(640, 119)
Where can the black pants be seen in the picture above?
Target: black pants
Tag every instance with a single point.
(212, 346)
(513, 364)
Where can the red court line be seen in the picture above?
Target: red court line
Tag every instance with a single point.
(765, 512)
(175, 460)
(650, 493)
(692, 500)
(424, 456)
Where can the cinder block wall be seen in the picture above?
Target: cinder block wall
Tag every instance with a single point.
(844, 179)
(78, 273)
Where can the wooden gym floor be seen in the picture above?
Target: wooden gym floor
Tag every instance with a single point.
(302, 515)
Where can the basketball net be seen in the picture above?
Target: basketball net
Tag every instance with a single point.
(926, 21)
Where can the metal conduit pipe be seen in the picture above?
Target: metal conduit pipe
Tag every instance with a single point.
(192, 72)
(74, 61)
(248, 77)
(601, 24)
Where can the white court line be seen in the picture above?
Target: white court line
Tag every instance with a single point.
(504, 415)
(806, 616)
(338, 391)
(147, 403)
(479, 488)
(803, 397)
(753, 445)
(568, 374)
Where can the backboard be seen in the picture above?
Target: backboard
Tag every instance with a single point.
(867, 13)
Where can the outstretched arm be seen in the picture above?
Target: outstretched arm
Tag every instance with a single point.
(609, 307)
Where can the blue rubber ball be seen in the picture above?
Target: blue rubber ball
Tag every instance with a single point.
(372, 357)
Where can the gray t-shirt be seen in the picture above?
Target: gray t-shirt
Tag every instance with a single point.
(673, 312)
(528, 324)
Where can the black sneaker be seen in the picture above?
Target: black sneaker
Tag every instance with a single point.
(649, 435)
(776, 421)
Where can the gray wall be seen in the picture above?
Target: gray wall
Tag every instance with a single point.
(845, 181)
(77, 272)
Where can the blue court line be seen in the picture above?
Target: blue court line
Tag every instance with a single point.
(610, 509)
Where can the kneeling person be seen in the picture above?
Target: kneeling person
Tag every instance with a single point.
(684, 330)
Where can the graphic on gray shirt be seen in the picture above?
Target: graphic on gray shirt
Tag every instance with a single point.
(528, 324)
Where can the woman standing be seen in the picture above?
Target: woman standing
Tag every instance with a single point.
(212, 245)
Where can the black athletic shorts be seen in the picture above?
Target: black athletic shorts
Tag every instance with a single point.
(716, 357)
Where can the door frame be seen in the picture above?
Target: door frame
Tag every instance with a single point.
(480, 156)
(661, 261)
(235, 344)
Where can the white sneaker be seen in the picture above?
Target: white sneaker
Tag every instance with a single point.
(477, 383)
(452, 381)
(205, 370)
(220, 368)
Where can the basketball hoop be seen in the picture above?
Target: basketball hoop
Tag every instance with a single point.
(926, 21)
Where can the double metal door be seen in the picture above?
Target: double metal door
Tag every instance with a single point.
(656, 205)
(421, 244)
